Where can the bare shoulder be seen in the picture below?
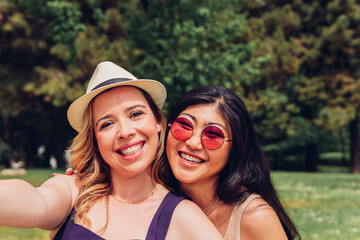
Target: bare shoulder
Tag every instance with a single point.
(260, 221)
(186, 207)
(182, 223)
(186, 210)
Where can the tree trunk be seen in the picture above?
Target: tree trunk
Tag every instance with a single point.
(6, 127)
(311, 157)
(343, 148)
(354, 141)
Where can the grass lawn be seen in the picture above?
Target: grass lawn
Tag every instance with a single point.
(323, 205)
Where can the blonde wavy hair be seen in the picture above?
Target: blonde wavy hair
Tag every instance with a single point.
(94, 180)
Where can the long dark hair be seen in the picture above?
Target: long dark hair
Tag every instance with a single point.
(247, 167)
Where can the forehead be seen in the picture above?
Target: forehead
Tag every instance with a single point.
(205, 113)
(119, 96)
(121, 93)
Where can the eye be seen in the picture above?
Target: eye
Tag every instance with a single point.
(213, 132)
(105, 124)
(136, 114)
(184, 123)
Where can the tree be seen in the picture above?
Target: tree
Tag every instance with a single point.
(313, 71)
(188, 43)
(28, 46)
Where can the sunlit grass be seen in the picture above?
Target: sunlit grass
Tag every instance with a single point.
(35, 176)
(323, 205)
(7, 233)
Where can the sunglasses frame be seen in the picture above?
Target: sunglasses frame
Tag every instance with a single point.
(192, 133)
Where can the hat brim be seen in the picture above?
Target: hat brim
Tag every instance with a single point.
(76, 111)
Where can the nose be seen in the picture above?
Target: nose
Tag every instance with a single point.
(125, 129)
(194, 142)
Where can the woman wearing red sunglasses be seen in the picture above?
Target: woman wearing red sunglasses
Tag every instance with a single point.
(214, 157)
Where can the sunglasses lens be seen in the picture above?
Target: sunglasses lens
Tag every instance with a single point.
(212, 137)
(181, 129)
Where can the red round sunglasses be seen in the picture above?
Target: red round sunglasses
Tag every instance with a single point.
(211, 137)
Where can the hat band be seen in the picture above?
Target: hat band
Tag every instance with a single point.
(112, 81)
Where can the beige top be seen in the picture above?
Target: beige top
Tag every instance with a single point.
(233, 228)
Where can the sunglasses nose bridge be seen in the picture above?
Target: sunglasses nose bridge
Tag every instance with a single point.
(195, 141)
(197, 132)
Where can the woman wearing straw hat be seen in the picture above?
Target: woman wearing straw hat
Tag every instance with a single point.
(120, 131)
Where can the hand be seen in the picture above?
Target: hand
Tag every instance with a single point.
(69, 171)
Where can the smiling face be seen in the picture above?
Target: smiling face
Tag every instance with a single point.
(126, 130)
(190, 161)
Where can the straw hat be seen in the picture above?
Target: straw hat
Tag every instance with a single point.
(108, 75)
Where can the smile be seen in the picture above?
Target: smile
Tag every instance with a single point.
(131, 150)
(190, 159)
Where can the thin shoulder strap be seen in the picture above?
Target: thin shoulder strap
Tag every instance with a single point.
(233, 229)
(161, 221)
(247, 202)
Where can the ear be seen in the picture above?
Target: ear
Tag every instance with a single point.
(158, 127)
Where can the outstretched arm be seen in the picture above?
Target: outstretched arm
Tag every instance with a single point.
(46, 207)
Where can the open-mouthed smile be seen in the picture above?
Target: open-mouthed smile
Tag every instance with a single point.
(189, 158)
(131, 150)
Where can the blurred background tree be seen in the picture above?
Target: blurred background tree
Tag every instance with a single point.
(190, 43)
(295, 63)
(309, 92)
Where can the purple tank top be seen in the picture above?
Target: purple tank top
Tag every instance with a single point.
(157, 230)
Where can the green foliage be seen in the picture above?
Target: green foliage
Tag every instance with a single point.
(188, 43)
(55, 85)
(313, 74)
(64, 28)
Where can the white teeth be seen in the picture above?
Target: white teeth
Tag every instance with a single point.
(131, 150)
(191, 159)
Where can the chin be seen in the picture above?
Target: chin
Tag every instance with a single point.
(184, 178)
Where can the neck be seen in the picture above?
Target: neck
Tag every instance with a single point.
(132, 188)
(200, 193)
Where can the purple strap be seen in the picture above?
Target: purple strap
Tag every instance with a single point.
(157, 230)
(161, 221)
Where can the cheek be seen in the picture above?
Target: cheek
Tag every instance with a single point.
(170, 147)
(221, 155)
(149, 127)
(103, 141)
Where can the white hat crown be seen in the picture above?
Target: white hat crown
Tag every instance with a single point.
(106, 71)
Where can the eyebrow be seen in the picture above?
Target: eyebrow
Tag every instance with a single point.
(127, 109)
(102, 118)
(207, 124)
(134, 106)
